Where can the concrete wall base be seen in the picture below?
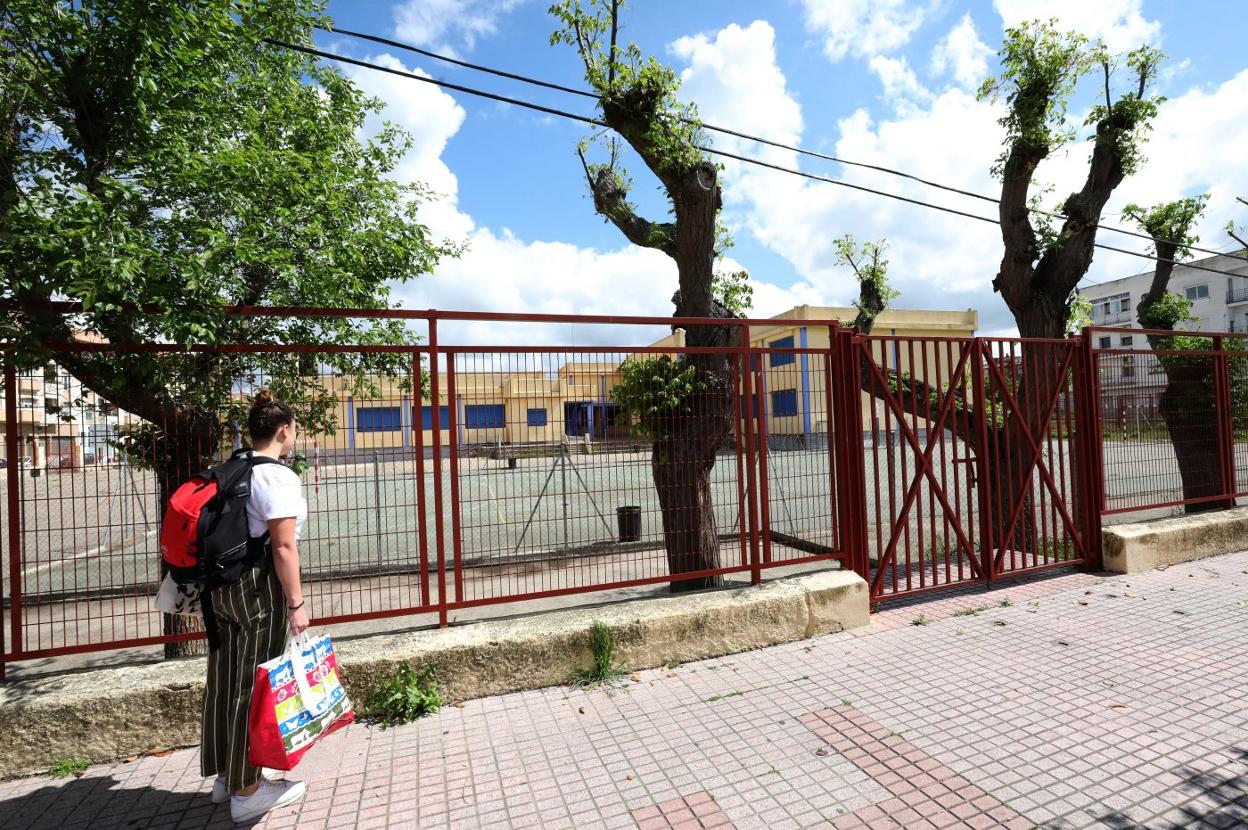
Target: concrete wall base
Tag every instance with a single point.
(1131, 548)
(107, 714)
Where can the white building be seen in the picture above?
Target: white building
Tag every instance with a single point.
(1219, 302)
(1130, 386)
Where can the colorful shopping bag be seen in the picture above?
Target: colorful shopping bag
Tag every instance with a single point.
(296, 701)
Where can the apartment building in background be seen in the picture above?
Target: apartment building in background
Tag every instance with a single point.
(1129, 385)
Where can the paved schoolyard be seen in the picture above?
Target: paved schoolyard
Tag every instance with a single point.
(1076, 701)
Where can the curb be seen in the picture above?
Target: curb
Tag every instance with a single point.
(107, 714)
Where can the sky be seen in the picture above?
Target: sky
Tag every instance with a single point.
(886, 82)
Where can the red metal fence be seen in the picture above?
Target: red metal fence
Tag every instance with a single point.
(1173, 420)
(447, 475)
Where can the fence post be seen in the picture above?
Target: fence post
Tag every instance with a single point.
(434, 398)
(14, 518)
(751, 490)
(418, 428)
(1224, 416)
(452, 426)
(854, 494)
(983, 459)
(1091, 481)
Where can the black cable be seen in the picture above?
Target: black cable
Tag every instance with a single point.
(746, 136)
(585, 119)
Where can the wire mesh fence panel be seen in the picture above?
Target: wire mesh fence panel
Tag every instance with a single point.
(580, 470)
(1173, 426)
(797, 456)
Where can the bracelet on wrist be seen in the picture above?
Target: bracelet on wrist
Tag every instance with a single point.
(292, 608)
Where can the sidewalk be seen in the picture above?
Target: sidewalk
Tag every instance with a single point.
(1083, 701)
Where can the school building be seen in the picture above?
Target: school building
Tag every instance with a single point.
(546, 401)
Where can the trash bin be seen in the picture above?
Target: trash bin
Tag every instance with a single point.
(629, 519)
(511, 463)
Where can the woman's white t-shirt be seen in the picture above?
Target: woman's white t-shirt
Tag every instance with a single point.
(276, 493)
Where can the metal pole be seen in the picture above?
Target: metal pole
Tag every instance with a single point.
(15, 509)
(377, 497)
(563, 492)
(1224, 416)
(434, 398)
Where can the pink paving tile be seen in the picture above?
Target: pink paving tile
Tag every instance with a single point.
(691, 812)
(925, 789)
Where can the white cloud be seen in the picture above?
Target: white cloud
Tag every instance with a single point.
(432, 117)
(902, 90)
(1120, 23)
(962, 55)
(449, 25)
(501, 272)
(863, 28)
(940, 260)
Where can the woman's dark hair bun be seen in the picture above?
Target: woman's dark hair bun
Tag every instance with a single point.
(267, 416)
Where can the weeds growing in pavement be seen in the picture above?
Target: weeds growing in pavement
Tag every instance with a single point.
(405, 696)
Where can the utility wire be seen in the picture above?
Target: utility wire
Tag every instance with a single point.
(585, 119)
(745, 136)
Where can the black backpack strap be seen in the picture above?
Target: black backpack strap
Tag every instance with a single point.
(210, 621)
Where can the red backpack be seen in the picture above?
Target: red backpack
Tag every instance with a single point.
(204, 539)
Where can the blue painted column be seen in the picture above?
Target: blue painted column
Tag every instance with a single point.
(405, 420)
(350, 422)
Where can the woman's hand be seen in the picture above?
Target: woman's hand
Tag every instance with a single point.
(298, 621)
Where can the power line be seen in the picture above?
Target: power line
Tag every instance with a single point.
(746, 136)
(585, 119)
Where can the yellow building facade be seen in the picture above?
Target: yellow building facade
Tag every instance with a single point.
(548, 399)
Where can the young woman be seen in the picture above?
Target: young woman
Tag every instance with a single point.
(254, 617)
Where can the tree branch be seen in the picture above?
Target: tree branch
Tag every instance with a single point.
(611, 201)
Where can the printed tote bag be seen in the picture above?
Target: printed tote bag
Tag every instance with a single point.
(296, 701)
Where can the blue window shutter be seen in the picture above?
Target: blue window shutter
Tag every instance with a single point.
(537, 417)
(426, 419)
(485, 416)
(781, 359)
(784, 403)
(378, 419)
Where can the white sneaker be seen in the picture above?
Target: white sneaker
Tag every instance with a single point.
(268, 796)
(220, 794)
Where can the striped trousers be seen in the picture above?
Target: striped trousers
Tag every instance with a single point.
(251, 619)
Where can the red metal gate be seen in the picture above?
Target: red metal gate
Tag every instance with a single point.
(972, 460)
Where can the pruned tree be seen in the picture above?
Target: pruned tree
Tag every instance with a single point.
(638, 103)
(1187, 401)
(163, 154)
(1042, 264)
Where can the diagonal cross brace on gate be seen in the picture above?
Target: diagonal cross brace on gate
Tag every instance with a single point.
(1034, 463)
(925, 471)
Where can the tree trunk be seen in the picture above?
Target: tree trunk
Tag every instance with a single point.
(682, 474)
(188, 449)
(1190, 413)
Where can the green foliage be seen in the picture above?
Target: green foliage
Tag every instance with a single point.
(604, 669)
(405, 696)
(65, 767)
(871, 269)
(1168, 313)
(657, 392)
(1170, 222)
(1079, 315)
(1039, 70)
(1126, 122)
(922, 619)
(164, 154)
(733, 290)
(639, 85)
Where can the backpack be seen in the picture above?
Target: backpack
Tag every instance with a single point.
(204, 540)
